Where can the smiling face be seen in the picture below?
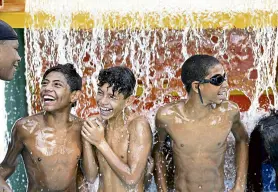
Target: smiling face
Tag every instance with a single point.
(9, 59)
(212, 93)
(55, 92)
(109, 104)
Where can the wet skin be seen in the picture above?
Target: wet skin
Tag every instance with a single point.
(122, 143)
(199, 143)
(49, 142)
(50, 155)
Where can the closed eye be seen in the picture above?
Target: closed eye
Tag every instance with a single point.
(113, 97)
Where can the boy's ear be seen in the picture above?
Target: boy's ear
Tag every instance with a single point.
(75, 96)
(194, 86)
(130, 100)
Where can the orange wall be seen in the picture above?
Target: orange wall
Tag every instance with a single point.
(237, 58)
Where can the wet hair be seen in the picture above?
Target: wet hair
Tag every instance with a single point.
(196, 68)
(120, 78)
(263, 147)
(73, 78)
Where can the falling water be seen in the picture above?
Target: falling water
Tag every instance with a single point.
(154, 43)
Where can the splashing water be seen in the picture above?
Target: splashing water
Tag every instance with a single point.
(154, 52)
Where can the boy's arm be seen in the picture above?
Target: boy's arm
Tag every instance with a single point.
(159, 158)
(89, 162)
(139, 148)
(8, 165)
(241, 155)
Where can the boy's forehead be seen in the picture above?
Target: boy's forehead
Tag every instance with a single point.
(54, 75)
(13, 43)
(216, 69)
(109, 88)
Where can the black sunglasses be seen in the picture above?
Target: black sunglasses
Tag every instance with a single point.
(216, 80)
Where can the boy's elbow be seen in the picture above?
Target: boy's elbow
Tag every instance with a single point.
(132, 181)
(242, 138)
(6, 171)
(90, 178)
(245, 138)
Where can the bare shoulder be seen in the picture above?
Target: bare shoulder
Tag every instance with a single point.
(27, 125)
(77, 121)
(169, 109)
(139, 124)
(231, 108)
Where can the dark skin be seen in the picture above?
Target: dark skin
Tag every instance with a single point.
(199, 134)
(9, 59)
(49, 142)
(118, 142)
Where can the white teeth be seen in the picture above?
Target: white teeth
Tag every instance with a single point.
(105, 109)
(48, 97)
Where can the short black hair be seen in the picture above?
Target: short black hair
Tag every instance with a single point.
(73, 78)
(196, 68)
(120, 78)
(268, 128)
(263, 147)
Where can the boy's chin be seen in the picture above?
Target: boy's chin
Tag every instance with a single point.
(220, 101)
(105, 117)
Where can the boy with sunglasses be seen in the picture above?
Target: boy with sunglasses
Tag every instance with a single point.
(199, 127)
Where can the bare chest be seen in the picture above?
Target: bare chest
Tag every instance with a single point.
(206, 135)
(52, 147)
(118, 140)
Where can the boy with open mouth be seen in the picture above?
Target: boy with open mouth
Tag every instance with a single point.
(50, 141)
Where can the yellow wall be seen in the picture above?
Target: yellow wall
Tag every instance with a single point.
(153, 20)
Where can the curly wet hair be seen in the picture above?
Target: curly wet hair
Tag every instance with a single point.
(120, 78)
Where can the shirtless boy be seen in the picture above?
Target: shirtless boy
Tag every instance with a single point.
(122, 139)
(198, 128)
(49, 142)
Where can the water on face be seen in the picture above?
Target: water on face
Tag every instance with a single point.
(155, 54)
